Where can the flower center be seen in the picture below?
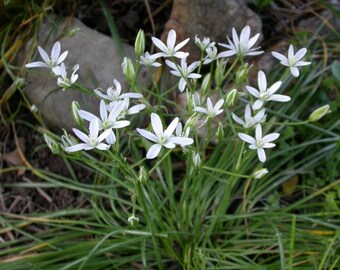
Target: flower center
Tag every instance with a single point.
(264, 96)
(92, 141)
(259, 143)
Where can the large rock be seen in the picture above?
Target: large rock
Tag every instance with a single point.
(206, 18)
(99, 60)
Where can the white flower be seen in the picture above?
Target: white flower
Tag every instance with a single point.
(107, 121)
(211, 110)
(126, 110)
(259, 142)
(250, 121)
(260, 173)
(184, 71)
(90, 141)
(132, 219)
(162, 138)
(149, 60)
(266, 94)
(182, 133)
(204, 43)
(211, 55)
(293, 60)
(241, 46)
(114, 93)
(170, 50)
(63, 81)
(50, 62)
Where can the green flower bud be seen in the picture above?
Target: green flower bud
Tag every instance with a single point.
(67, 140)
(319, 113)
(219, 74)
(196, 159)
(206, 84)
(140, 43)
(75, 108)
(52, 144)
(232, 98)
(133, 220)
(19, 82)
(242, 73)
(220, 132)
(143, 175)
(260, 173)
(128, 69)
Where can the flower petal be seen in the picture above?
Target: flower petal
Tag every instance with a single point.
(157, 125)
(153, 151)
(148, 135)
(261, 154)
(262, 81)
(279, 98)
(171, 128)
(76, 147)
(270, 137)
(171, 40)
(246, 138)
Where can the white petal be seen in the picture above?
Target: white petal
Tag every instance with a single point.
(262, 81)
(81, 135)
(271, 90)
(269, 145)
(281, 57)
(104, 135)
(245, 34)
(44, 55)
(295, 71)
(290, 51)
(94, 128)
(181, 44)
(36, 64)
(257, 104)
(302, 63)
(181, 54)
(261, 154)
(181, 140)
(87, 116)
(235, 37)
(226, 54)
(169, 145)
(246, 138)
(136, 109)
(103, 111)
(300, 53)
(131, 95)
(171, 128)
(76, 147)
(160, 45)
(200, 109)
(237, 119)
(120, 124)
(253, 40)
(103, 146)
(111, 138)
(153, 151)
(147, 134)
(55, 51)
(182, 84)
(270, 137)
(218, 105)
(253, 91)
(258, 132)
(171, 40)
(157, 125)
(62, 57)
(279, 98)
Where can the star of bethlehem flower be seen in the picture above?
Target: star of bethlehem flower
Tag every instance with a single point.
(204, 43)
(63, 81)
(169, 49)
(149, 60)
(127, 110)
(293, 60)
(211, 111)
(250, 121)
(91, 141)
(241, 46)
(265, 94)
(259, 143)
(184, 71)
(212, 54)
(107, 121)
(50, 62)
(113, 93)
(182, 133)
(162, 137)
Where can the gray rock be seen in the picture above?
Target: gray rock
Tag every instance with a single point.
(206, 18)
(99, 60)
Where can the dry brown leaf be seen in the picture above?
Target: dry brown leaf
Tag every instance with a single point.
(290, 186)
(14, 157)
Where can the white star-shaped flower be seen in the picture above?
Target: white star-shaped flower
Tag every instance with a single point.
(293, 60)
(241, 46)
(250, 121)
(63, 81)
(127, 110)
(212, 54)
(90, 141)
(170, 50)
(259, 143)
(162, 137)
(204, 43)
(113, 93)
(184, 71)
(266, 94)
(50, 62)
(149, 60)
(211, 111)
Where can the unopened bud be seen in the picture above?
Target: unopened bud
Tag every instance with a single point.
(242, 73)
(319, 113)
(52, 144)
(196, 159)
(75, 109)
(260, 173)
(140, 43)
(232, 98)
(128, 69)
(133, 220)
(143, 175)
(219, 74)
(206, 84)
(220, 132)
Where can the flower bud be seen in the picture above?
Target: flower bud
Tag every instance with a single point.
(196, 159)
(19, 82)
(220, 132)
(52, 144)
(319, 113)
(67, 140)
(242, 73)
(143, 175)
(219, 74)
(128, 69)
(260, 173)
(75, 108)
(232, 98)
(34, 108)
(206, 84)
(140, 43)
